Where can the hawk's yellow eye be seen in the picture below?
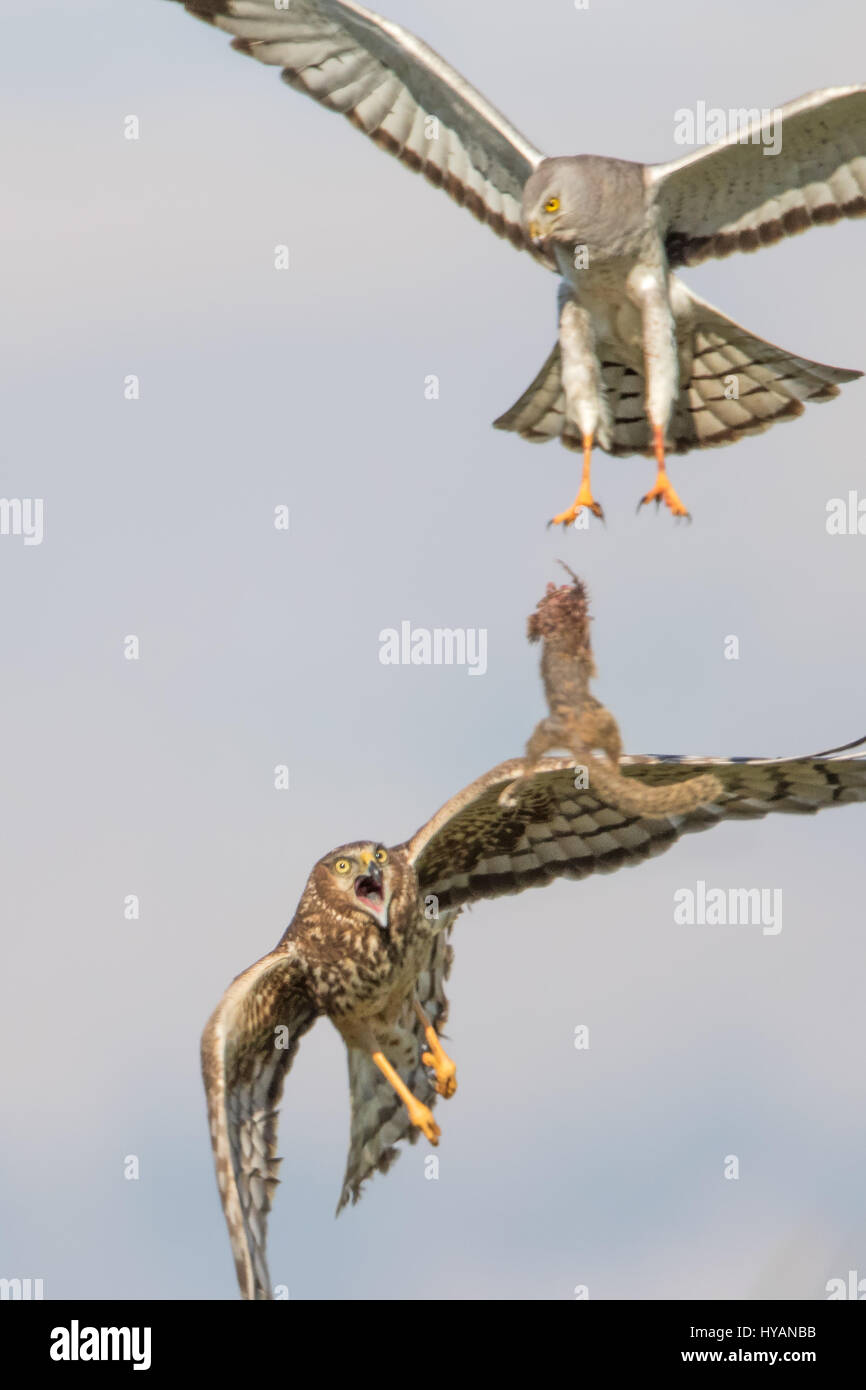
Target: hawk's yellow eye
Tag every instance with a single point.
(380, 856)
(343, 866)
(552, 205)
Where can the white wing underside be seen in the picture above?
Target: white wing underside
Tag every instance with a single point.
(395, 89)
(738, 195)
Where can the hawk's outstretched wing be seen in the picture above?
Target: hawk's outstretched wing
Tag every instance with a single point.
(739, 195)
(475, 848)
(396, 90)
(247, 1048)
(379, 1117)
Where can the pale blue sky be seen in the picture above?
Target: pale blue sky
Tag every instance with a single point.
(557, 1167)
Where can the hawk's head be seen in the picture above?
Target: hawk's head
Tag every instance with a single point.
(363, 877)
(583, 200)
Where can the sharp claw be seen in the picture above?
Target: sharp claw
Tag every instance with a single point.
(422, 1119)
(667, 495)
(569, 518)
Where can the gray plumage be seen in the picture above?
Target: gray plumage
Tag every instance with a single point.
(642, 365)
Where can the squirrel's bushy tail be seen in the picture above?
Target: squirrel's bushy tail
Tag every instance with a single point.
(634, 798)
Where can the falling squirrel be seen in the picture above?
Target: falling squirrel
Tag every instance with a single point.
(581, 723)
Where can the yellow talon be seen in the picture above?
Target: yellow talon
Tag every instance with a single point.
(437, 1058)
(446, 1072)
(422, 1117)
(662, 489)
(584, 497)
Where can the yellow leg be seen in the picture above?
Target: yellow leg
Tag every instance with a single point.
(662, 490)
(584, 497)
(419, 1114)
(437, 1058)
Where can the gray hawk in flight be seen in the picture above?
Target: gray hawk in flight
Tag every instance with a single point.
(642, 365)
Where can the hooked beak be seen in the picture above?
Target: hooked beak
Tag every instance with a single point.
(370, 890)
(537, 237)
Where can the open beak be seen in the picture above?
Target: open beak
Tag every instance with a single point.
(370, 890)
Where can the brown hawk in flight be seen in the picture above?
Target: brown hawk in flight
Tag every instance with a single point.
(368, 946)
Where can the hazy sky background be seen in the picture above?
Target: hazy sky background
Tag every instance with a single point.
(155, 257)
